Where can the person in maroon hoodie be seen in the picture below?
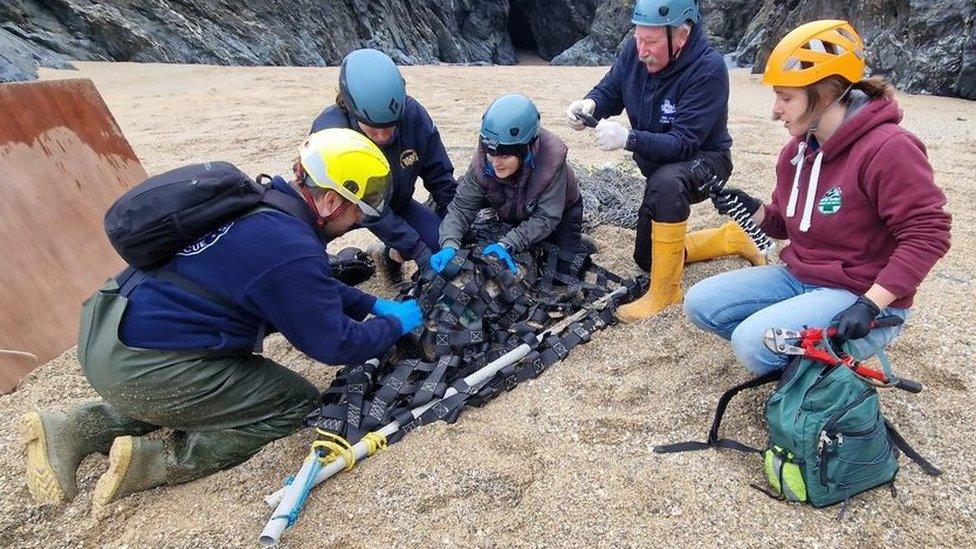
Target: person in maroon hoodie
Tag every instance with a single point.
(855, 196)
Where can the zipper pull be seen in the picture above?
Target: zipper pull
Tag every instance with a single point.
(824, 441)
(840, 439)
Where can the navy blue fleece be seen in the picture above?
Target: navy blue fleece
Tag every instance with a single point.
(674, 113)
(276, 269)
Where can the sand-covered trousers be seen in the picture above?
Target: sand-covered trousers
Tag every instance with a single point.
(222, 409)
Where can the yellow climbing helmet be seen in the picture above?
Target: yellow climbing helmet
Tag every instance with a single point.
(813, 51)
(349, 163)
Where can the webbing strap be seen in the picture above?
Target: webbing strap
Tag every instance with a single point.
(913, 455)
(723, 402)
(476, 311)
(130, 278)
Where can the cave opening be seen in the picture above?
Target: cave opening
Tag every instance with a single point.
(520, 32)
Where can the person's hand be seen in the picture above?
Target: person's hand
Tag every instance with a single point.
(408, 313)
(500, 252)
(440, 260)
(584, 106)
(730, 197)
(854, 322)
(611, 135)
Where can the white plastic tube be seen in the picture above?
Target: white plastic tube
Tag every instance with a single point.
(288, 497)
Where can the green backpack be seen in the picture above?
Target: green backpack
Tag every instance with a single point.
(828, 439)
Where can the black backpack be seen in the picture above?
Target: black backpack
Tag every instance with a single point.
(157, 218)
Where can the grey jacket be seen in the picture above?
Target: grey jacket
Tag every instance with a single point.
(533, 199)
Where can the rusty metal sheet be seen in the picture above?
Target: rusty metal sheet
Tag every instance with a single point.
(63, 161)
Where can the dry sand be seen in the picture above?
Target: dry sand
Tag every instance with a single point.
(565, 458)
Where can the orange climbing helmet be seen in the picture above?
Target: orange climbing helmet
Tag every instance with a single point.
(813, 51)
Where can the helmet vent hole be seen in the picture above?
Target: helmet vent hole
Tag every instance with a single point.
(816, 45)
(513, 132)
(663, 11)
(351, 186)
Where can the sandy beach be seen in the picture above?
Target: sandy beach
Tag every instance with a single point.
(566, 458)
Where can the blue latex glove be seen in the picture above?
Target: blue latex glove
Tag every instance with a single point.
(440, 260)
(502, 254)
(385, 307)
(407, 312)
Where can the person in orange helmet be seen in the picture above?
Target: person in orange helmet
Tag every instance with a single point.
(855, 196)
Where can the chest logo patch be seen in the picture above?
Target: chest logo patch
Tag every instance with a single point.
(831, 201)
(408, 158)
(668, 111)
(207, 241)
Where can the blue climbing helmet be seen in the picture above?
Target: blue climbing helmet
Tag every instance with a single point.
(372, 88)
(665, 13)
(509, 126)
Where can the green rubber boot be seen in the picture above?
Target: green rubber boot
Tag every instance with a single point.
(54, 451)
(134, 464)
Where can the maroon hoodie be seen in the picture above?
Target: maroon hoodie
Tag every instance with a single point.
(862, 209)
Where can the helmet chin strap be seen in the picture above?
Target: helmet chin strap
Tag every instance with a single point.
(671, 52)
(320, 220)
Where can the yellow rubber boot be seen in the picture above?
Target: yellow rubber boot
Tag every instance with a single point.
(667, 266)
(729, 239)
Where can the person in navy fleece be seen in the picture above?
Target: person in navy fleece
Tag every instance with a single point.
(373, 100)
(162, 356)
(674, 86)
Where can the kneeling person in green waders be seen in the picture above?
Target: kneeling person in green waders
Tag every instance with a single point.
(520, 171)
(162, 356)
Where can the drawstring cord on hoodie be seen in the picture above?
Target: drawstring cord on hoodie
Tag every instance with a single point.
(814, 180)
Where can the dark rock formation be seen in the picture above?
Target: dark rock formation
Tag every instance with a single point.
(554, 24)
(232, 32)
(923, 46)
(611, 25)
(725, 24)
(926, 46)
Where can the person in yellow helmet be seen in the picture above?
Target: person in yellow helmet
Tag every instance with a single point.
(177, 352)
(855, 196)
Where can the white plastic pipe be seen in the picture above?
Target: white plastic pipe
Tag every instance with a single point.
(286, 498)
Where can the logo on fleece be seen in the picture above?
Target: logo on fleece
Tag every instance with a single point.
(668, 111)
(408, 158)
(831, 201)
(207, 241)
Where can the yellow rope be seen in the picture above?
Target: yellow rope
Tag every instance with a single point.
(375, 442)
(336, 447)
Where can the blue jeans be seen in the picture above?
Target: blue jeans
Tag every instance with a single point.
(740, 305)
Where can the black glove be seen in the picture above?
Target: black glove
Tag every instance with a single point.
(728, 198)
(854, 322)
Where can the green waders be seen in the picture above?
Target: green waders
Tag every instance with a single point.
(222, 409)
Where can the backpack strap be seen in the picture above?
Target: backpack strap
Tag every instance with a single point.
(723, 403)
(130, 278)
(913, 455)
